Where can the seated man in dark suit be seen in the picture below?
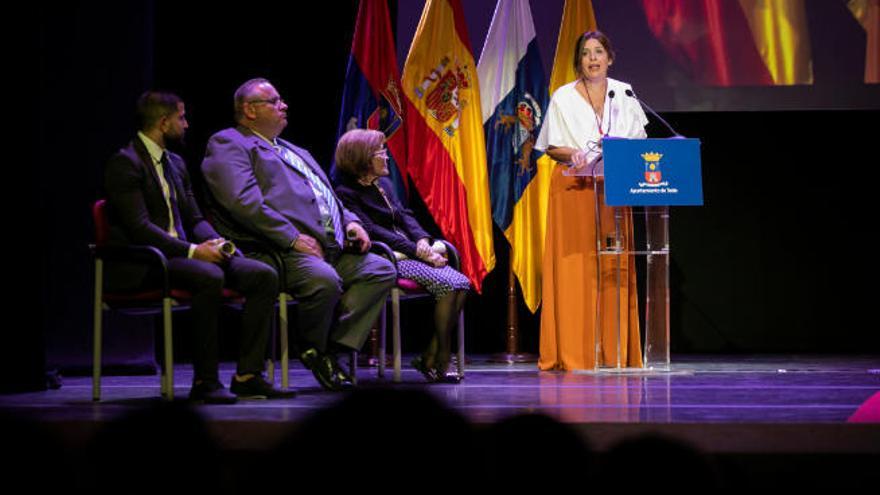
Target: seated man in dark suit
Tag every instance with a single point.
(273, 190)
(150, 202)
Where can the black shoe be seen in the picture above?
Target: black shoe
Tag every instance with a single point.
(430, 374)
(323, 367)
(448, 377)
(211, 392)
(258, 388)
(341, 376)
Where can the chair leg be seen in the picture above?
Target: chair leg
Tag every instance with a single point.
(395, 332)
(285, 348)
(383, 320)
(461, 344)
(168, 381)
(352, 367)
(270, 360)
(270, 367)
(97, 334)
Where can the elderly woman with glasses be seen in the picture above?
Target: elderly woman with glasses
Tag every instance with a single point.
(362, 163)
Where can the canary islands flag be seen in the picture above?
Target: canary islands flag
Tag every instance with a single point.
(514, 99)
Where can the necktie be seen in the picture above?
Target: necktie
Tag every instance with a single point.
(335, 218)
(172, 197)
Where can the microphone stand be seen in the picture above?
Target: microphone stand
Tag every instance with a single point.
(675, 134)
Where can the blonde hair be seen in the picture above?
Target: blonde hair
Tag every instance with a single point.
(355, 149)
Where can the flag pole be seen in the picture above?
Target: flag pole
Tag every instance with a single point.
(512, 354)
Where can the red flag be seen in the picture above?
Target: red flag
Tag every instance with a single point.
(373, 98)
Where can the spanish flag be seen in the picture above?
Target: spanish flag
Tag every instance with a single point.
(446, 156)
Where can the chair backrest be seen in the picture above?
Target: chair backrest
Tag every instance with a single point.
(102, 228)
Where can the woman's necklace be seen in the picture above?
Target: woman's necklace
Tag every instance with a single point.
(394, 214)
(597, 112)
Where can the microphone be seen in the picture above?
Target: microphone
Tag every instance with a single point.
(610, 112)
(351, 239)
(227, 248)
(673, 131)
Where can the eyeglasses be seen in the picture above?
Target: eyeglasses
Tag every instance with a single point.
(275, 102)
(382, 153)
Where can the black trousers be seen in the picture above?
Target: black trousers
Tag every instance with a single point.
(257, 281)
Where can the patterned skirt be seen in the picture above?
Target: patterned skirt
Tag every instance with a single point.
(437, 281)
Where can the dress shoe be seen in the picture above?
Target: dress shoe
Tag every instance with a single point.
(448, 377)
(211, 392)
(419, 365)
(258, 388)
(323, 367)
(443, 373)
(341, 376)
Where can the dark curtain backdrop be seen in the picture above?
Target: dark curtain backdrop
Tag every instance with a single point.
(779, 259)
(94, 60)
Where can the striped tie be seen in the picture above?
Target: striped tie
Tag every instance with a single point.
(318, 184)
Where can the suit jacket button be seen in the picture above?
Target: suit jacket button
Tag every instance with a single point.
(313, 200)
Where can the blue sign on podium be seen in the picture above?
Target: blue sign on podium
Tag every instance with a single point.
(652, 172)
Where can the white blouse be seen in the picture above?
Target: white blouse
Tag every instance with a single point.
(571, 120)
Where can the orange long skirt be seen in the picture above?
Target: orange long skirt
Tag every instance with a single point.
(568, 318)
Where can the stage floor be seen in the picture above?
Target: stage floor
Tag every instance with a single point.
(776, 395)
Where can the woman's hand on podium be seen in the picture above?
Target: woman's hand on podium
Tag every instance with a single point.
(579, 160)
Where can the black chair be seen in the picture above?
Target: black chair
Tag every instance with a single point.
(163, 299)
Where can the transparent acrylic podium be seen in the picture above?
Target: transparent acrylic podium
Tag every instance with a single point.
(655, 351)
(642, 178)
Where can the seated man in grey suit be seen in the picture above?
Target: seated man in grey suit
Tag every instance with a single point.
(274, 191)
(150, 202)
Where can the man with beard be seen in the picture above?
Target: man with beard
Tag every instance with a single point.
(150, 202)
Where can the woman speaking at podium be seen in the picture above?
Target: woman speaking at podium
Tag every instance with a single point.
(581, 113)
